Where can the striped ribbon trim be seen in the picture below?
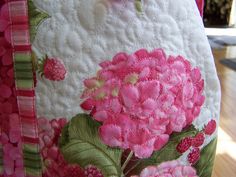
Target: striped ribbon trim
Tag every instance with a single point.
(25, 90)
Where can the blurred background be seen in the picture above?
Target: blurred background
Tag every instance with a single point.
(220, 25)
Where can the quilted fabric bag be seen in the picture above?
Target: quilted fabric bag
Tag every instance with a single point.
(106, 88)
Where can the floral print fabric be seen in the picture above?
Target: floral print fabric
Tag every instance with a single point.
(142, 98)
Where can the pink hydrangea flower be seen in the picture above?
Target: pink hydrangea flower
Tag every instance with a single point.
(142, 98)
(13, 160)
(4, 17)
(5, 52)
(53, 160)
(53, 69)
(169, 169)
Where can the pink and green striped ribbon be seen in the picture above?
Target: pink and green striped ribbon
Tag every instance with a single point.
(25, 90)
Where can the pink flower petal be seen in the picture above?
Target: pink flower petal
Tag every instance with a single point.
(148, 107)
(195, 75)
(144, 150)
(100, 116)
(9, 168)
(169, 169)
(5, 91)
(4, 138)
(115, 106)
(158, 54)
(161, 141)
(3, 25)
(111, 135)
(14, 121)
(47, 140)
(145, 73)
(7, 34)
(7, 147)
(14, 136)
(7, 58)
(62, 122)
(142, 53)
(20, 172)
(53, 152)
(19, 163)
(149, 171)
(2, 51)
(6, 108)
(130, 95)
(149, 89)
(188, 90)
(88, 104)
(5, 12)
(120, 57)
(10, 73)
(15, 153)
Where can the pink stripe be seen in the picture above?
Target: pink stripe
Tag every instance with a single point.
(26, 104)
(31, 140)
(18, 12)
(22, 48)
(27, 93)
(20, 35)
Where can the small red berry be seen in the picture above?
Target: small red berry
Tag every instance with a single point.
(73, 171)
(210, 127)
(198, 140)
(92, 171)
(194, 156)
(184, 145)
(53, 69)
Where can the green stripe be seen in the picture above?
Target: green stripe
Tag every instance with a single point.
(23, 67)
(33, 164)
(33, 172)
(23, 71)
(23, 74)
(32, 160)
(31, 152)
(32, 156)
(24, 84)
(1, 169)
(31, 148)
(22, 57)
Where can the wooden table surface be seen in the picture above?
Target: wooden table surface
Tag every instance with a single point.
(225, 163)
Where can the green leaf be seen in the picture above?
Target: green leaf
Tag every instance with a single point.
(80, 143)
(167, 153)
(205, 165)
(36, 17)
(138, 5)
(64, 139)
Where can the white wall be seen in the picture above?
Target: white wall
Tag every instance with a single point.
(233, 14)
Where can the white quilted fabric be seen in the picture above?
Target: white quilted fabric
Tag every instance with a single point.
(85, 32)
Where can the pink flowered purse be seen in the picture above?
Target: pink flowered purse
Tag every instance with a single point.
(106, 88)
